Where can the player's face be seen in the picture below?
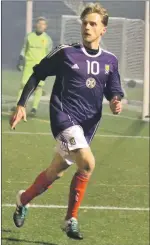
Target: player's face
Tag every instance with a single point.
(41, 26)
(92, 28)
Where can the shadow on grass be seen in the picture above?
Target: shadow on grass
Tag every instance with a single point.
(26, 241)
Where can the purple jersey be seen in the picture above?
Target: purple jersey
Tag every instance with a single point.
(81, 82)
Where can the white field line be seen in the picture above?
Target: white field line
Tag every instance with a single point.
(97, 135)
(83, 207)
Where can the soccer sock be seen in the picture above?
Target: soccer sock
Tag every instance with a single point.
(37, 97)
(77, 190)
(40, 185)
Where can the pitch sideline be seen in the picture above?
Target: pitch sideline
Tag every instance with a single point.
(83, 207)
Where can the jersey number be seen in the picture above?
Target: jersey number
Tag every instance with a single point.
(92, 67)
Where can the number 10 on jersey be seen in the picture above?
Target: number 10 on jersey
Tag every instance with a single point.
(93, 67)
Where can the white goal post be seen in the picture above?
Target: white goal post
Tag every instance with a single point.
(146, 85)
(29, 15)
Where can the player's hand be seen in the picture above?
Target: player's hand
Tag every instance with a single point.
(21, 63)
(17, 116)
(115, 105)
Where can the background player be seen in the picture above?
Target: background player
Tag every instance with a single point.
(84, 74)
(37, 45)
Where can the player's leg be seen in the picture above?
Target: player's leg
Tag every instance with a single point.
(80, 152)
(40, 185)
(37, 97)
(86, 163)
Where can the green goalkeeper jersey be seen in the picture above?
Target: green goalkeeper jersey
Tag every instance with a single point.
(36, 47)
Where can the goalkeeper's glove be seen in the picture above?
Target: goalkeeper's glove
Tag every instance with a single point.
(20, 64)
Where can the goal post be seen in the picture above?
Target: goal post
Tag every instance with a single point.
(146, 85)
(29, 15)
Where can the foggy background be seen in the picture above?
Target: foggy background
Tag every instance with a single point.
(14, 21)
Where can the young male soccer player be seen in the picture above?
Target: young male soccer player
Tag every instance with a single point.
(36, 46)
(84, 74)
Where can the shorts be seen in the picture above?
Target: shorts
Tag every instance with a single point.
(70, 139)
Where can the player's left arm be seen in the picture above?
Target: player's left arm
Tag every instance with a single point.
(113, 90)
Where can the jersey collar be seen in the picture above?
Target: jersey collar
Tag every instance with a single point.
(89, 55)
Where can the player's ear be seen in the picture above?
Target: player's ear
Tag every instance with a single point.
(104, 30)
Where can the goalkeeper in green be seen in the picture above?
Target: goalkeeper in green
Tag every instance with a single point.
(37, 45)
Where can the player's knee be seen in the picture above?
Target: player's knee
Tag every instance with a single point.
(59, 175)
(57, 168)
(54, 175)
(89, 165)
(86, 163)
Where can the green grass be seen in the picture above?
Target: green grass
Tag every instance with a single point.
(119, 180)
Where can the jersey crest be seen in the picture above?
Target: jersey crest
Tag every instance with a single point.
(107, 68)
(90, 82)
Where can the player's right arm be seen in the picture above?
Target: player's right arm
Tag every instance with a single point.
(49, 66)
(21, 60)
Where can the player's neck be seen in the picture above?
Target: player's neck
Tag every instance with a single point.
(94, 45)
(38, 33)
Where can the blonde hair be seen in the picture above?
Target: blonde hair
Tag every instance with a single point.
(96, 8)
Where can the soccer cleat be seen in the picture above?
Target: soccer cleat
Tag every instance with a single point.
(20, 212)
(72, 230)
(33, 112)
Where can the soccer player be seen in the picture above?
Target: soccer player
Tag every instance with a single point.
(84, 74)
(37, 45)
